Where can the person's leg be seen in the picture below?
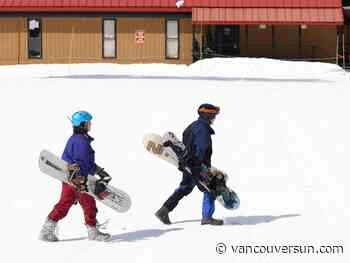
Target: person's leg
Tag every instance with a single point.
(88, 203)
(67, 199)
(208, 206)
(186, 186)
(208, 209)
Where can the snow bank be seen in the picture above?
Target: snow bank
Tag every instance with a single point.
(262, 68)
(215, 68)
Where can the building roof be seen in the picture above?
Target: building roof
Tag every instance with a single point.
(155, 5)
(204, 11)
(268, 16)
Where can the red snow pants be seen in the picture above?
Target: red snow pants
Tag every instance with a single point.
(69, 196)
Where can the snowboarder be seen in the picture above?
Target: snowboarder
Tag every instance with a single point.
(80, 155)
(197, 139)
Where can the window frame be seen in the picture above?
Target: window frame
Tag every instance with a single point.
(115, 37)
(178, 38)
(41, 37)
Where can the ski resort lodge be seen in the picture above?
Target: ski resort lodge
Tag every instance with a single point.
(169, 31)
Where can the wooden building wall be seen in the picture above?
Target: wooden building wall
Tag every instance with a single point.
(9, 40)
(288, 42)
(79, 40)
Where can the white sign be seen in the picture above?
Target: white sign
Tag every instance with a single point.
(179, 3)
(33, 24)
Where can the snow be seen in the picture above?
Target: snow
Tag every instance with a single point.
(282, 136)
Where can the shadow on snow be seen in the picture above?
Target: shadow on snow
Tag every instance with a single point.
(255, 220)
(141, 235)
(102, 76)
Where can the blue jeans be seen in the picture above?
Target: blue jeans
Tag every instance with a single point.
(208, 206)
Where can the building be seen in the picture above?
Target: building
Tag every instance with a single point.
(150, 31)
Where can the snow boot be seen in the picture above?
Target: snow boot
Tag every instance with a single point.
(96, 235)
(212, 221)
(48, 232)
(163, 215)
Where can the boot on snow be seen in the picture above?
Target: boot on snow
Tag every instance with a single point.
(48, 231)
(212, 221)
(163, 215)
(96, 235)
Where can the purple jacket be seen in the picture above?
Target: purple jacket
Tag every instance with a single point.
(78, 150)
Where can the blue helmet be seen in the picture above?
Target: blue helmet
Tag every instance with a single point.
(79, 117)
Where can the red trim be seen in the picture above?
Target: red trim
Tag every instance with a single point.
(95, 10)
(155, 5)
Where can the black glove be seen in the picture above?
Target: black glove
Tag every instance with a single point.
(105, 177)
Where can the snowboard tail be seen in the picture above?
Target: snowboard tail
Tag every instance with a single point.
(57, 168)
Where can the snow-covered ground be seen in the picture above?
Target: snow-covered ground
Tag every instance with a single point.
(283, 136)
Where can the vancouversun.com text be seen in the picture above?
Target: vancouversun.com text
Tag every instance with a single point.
(224, 248)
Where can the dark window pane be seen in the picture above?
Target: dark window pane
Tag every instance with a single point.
(34, 38)
(35, 48)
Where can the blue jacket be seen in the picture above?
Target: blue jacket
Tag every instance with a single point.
(78, 150)
(197, 138)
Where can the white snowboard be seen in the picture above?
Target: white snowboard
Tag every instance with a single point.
(57, 168)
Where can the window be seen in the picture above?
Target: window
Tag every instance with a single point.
(34, 38)
(172, 39)
(109, 37)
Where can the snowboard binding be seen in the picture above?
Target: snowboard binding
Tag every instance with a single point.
(80, 182)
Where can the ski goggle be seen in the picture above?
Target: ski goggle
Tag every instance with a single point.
(215, 110)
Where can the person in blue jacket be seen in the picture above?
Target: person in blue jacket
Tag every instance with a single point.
(197, 139)
(81, 157)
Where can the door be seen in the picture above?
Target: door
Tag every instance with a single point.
(227, 40)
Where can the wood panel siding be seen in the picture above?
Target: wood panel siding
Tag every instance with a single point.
(286, 44)
(72, 40)
(185, 41)
(319, 42)
(9, 40)
(153, 48)
(259, 41)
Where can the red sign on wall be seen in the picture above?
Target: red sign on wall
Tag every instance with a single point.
(140, 37)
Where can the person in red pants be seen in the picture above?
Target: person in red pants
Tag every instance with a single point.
(81, 157)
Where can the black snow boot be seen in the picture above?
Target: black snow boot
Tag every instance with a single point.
(212, 221)
(163, 215)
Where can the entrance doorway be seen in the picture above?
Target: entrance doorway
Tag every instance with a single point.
(227, 40)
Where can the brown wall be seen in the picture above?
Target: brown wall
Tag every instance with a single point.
(9, 40)
(79, 40)
(153, 48)
(72, 40)
(256, 42)
(314, 42)
(319, 41)
(286, 42)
